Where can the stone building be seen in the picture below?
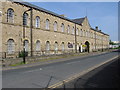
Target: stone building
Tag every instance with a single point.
(45, 32)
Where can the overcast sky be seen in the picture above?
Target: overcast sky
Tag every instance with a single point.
(101, 14)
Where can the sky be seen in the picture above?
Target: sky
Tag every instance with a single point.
(101, 14)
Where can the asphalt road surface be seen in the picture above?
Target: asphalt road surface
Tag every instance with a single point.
(39, 76)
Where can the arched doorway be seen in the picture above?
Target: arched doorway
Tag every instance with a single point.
(87, 46)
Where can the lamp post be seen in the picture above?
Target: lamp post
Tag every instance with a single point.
(24, 24)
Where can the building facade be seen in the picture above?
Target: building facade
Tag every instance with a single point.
(45, 32)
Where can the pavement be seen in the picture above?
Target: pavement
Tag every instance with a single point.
(50, 75)
(80, 55)
(105, 76)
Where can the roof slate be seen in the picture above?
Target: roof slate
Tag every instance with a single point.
(79, 20)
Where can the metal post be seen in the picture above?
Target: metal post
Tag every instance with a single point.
(24, 53)
(95, 40)
(102, 43)
(31, 26)
(24, 43)
(75, 40)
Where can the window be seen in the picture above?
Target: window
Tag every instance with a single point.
(10, 15)
(25, 19)
(26, 45)
(55, 26)
(63, 46)
(68, 30)
(62, 27)
(11, 46)
(47, 46)
(73, 30)
(56, 46)
(81, 32)
(38, 45)
(47, 24)
(77, 31)
(37, 24)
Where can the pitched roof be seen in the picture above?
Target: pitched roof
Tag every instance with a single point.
(41, 9)
(79, 20)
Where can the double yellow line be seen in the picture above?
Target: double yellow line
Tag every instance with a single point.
(80, 74)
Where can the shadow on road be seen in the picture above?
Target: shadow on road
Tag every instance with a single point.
(107, 76)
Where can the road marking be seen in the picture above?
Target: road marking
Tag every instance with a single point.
(40, 68)
(80, 74)
(32, 71)
(73, 62)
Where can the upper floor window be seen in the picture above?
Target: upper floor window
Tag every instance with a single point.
(55, 26)
(25, 19)
(10, 15)
(62, 27)
(68, 30)
(81, 32)
(37, 24)
(73, 30)
(77, 31)
(47, 24)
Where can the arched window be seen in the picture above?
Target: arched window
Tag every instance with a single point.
(37, 24)
(63, 46)
(73, 30)
(26, 45)
(25, 19)
(68, 30)
(62, 27)
(10, 15)
(47, 24)
(55, 26)
(77, 30)
(56, 46)
(47, 46)
(81, 32)
(38, 45)
(10, 46)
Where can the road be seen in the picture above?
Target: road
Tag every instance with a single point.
(39, 76)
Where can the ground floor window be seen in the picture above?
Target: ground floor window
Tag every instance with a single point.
(47, 45)
(38, 45)
(10, 46)
(26, 45)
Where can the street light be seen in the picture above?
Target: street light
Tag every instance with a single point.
(24, 24)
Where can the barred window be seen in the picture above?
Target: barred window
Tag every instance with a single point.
(77, 30)
(62, 27)
(25, 19)
(47, 45)
(37, 24)
(55, 26)
(73, 30)
(47, 24)
(63, 46)
(26, 45)
(56, 46)
(11, 46)
(68, 30)
(10, 15)
(38, 45)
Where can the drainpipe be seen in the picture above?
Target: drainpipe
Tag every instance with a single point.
(75, 40)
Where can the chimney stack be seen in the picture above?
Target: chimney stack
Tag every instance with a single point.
(96, 28)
